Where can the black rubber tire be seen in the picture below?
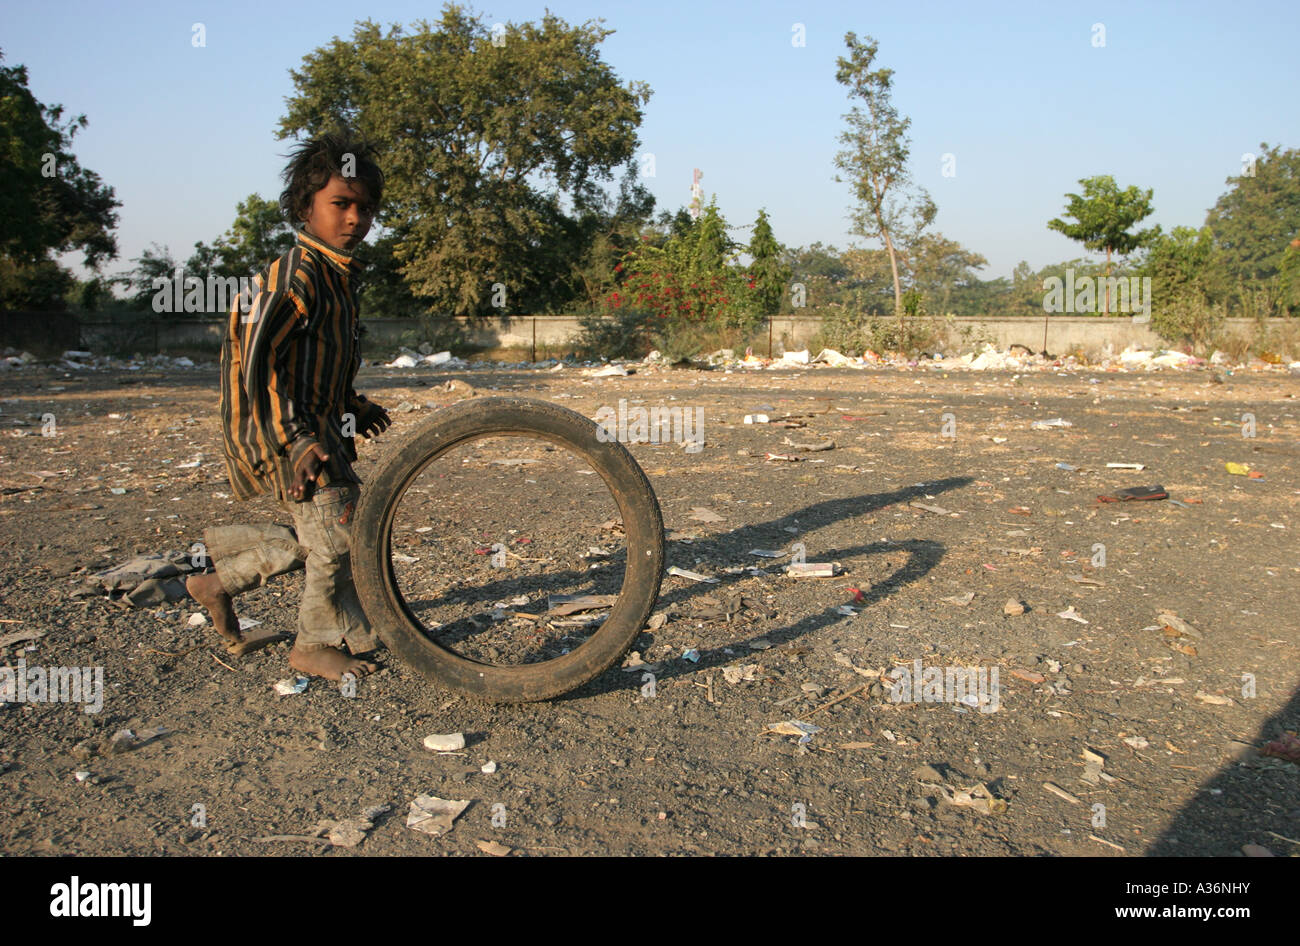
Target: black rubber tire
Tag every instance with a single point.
(398, 628)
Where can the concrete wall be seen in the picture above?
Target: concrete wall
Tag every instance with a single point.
(554, 335)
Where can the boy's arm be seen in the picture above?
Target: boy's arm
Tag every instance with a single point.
(265, 331)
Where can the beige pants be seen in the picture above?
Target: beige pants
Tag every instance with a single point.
(247, 556)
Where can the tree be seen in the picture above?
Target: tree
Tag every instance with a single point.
(259, 235)
(49, 204)
(767, 273)
(941, 267)
(1253, 225)
(1182, 271)
(154, 262)
(1103, 216)
(479, 136)
(875, 158)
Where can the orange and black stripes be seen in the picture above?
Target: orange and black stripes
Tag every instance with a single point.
(288, 366)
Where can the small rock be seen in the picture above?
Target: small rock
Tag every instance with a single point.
(450, 742)
(1013, 606)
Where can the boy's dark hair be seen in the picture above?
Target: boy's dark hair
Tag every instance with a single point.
(313, 163)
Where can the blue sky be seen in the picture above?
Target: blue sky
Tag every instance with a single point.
(1017, 92)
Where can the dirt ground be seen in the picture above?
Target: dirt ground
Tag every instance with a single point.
(691, 768)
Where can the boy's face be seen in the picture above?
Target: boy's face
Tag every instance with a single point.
(340, 213)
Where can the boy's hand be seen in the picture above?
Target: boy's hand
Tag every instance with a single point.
(307, 471)
(374, 420)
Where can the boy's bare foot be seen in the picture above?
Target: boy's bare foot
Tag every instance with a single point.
(329, 662)
(208, 591)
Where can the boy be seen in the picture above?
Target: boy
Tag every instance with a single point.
(289, 412)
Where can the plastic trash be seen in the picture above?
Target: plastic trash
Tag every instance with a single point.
(810, 570)
(1049, 424)
(795, 727)
(434, 816)
(693, 576)
(288, 687)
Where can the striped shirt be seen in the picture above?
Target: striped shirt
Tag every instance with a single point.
(288, 364)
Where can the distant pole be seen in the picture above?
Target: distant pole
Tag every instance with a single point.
(534, 358)
(697, 195)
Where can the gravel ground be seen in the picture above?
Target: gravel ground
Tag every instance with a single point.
(692, 767)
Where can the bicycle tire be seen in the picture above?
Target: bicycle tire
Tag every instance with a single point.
(403, 633)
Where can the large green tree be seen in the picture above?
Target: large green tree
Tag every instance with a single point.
(766, 271)
(875, 157)
(482, 137)
(49, 203)
(941, 267)
(1253, 224)
(1103, 216)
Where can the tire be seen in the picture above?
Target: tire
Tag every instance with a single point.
(403, 633)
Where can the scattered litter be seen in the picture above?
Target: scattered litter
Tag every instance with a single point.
(1125, 466)
(196, 619)
(1243, 469)
(495, 848)
(810, 570)
(488, 768)
(1050, 424)
(1171, 621)
(124, 740)
(1083, 580)
(1061, 793)
(609, 371)
(961, 600)
(1136, 742)
(691, 654)
(560, 605)
(769, 553)
(693, 576)
(1071, 615)
(845, 610)
(977, 797)
(1093, 762)
(757, 419)
(246, 623)
(434, 816)
(795, 727)
(1066, 467)
(810, 447)
(1213, 699)
(449, 742)
(81, 776)
(1029, 676)
(760, 643)
(783, 456)
(937, 510)
(740, 673)
(288, 687)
